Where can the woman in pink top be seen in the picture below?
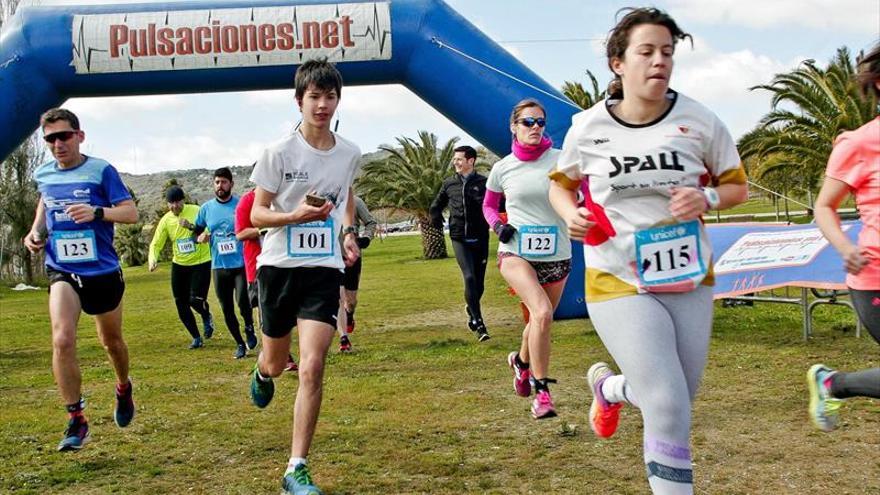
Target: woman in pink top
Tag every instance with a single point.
(853, 167)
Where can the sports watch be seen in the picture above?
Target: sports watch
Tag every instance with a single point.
(351, 229)
(712, 197)
(99, 213)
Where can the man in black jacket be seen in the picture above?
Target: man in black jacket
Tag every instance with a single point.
(463, 195)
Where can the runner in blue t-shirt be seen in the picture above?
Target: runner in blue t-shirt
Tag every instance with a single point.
(216, 223)
(81, 197)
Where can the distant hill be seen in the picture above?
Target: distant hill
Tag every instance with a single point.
(198, 184)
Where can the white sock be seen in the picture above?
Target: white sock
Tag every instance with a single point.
(293, 462)
(617, 389)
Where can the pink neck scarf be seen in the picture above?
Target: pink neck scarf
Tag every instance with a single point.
(530, 152)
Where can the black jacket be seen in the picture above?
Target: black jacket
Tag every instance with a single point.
(464, 198)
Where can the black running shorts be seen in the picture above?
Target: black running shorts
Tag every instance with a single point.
(98, 294)
(289, 294)
(254, 293)
(351, 280)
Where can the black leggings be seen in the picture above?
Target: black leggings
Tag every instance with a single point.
(189, 285)
(864, 383)
(230, 283)
(472, 258)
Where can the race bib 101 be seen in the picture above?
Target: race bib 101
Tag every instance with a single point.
(669, 254)
(75, 246)
(316, 239)
(536, 241)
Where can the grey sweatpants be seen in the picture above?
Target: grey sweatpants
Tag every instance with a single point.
(661, 343)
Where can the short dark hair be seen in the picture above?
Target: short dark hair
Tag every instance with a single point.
(869, 72)
(469, 153)
(618, 38)
(55, 114)
(223, 172)
(319, 72)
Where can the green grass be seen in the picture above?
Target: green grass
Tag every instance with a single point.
(420, 407)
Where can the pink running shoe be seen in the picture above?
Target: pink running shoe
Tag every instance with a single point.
(542, 406)
(604, 415)
(521, 384)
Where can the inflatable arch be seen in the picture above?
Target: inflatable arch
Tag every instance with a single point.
(50, 54)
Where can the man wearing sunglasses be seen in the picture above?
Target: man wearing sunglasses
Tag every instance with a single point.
(463, 195)
(81, 197)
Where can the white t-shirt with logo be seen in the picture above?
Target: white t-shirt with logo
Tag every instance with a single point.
(541, 235)
(291, 168)
(630, 169)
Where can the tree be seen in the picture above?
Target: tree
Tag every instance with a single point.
(408, 179)
(575, 92)
(18, 201)
(811, 106)
(130, 241)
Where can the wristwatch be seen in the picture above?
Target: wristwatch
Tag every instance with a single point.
(351, 229)
(712, 197)
(99, 213)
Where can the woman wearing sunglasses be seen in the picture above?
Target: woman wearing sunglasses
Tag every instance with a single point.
(534, 252)
(647, 154)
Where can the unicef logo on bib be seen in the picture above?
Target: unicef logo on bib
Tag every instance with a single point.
(314, 239)
(536, 241)
(669, 254)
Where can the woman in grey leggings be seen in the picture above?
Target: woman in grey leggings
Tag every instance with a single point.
(852, 168)
(646, 154)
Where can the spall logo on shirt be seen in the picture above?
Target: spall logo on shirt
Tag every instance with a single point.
(630, 164)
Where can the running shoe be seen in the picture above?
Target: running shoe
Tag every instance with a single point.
(196, 343)
(291, 364)
(521, 384)
(250, 337)
(208, 326)
(261, 392)
(299, 482)
(76, 435)
(482, 333)
(823, 408)
(604, 415)
(240, 352)
(542, 406)
(124, 412)
(344, 344)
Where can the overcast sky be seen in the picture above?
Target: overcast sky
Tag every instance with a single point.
(737, 44)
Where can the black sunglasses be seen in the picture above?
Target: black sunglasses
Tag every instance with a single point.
(531, 121)
(63, 135)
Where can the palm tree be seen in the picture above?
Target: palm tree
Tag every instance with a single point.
(811, 106)
(408, 179)
(575, 92)
(130, 240)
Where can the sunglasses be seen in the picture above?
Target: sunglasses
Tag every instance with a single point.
(531, 121)
(63, 135)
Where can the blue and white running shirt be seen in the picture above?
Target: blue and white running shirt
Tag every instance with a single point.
(219, 219)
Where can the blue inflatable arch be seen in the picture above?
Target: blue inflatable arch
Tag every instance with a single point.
(50, 54)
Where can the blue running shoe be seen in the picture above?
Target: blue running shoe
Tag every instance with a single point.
(823, 407)
(299, 482)
(240, 352)
(124, 412)
(208, 326)
(250, 337)
(261, 392)
(196, 343)
(76, 435)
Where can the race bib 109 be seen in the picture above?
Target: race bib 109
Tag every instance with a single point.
(537, 241)
(315, 239)
(186, 246)
(669, 254)
(75, 246)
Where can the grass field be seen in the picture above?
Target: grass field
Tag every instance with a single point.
(420, 407)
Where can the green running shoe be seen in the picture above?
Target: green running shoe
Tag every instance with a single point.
(299, 482)
(261, 392)
(823, 407)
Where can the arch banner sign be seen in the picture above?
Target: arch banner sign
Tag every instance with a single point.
(234, 37)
